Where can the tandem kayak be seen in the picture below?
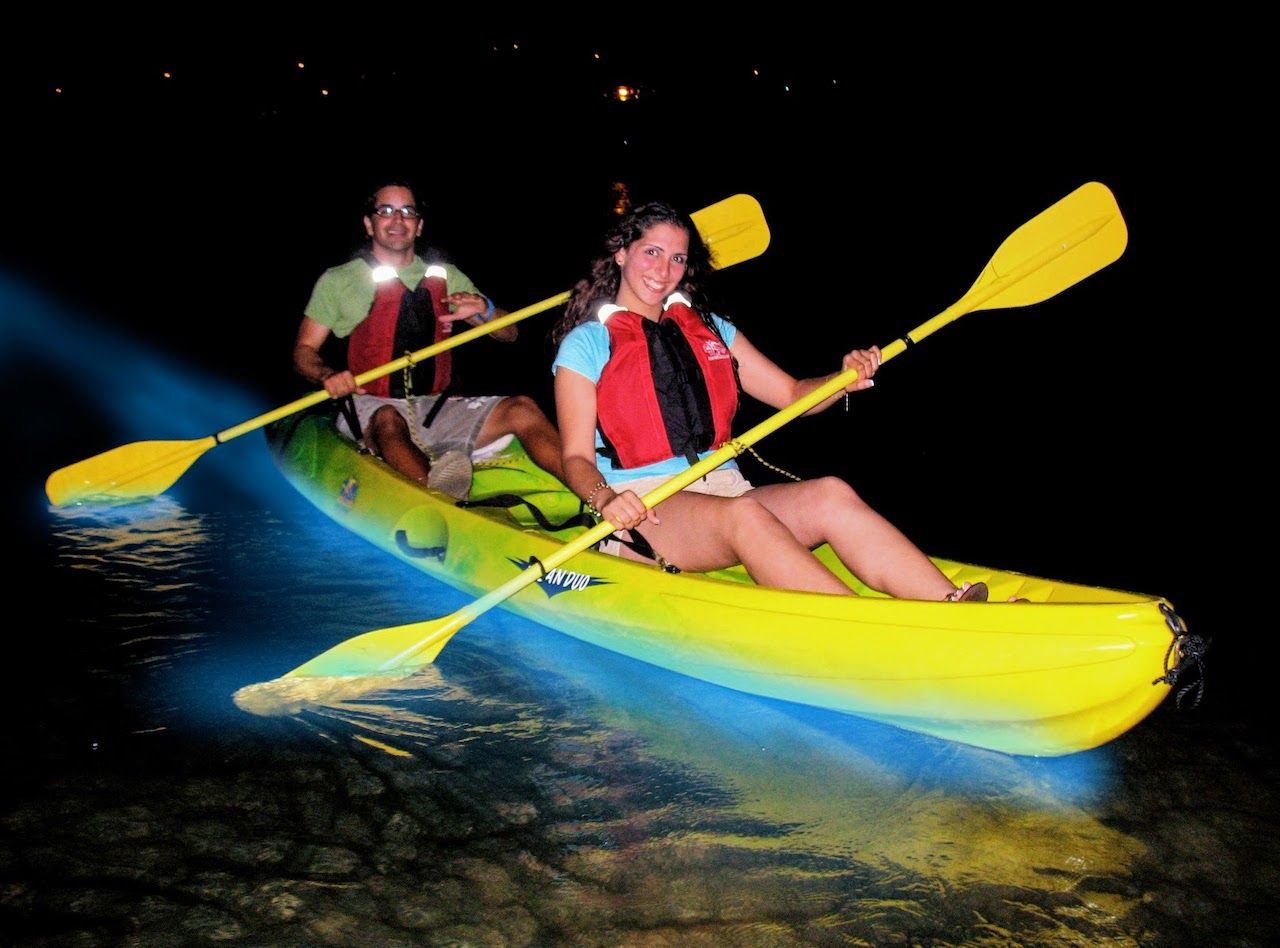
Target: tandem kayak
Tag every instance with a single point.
(1067, 670)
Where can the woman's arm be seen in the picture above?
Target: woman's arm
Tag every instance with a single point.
(576, 415)
(764, 380)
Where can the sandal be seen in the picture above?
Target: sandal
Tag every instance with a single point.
(969, 592)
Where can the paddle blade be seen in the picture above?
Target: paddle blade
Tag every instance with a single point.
(400, 648)
(1088, 219)
(140, 469)
(734, 229)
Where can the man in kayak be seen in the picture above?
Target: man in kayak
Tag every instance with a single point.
(648, 384)
(389, 301)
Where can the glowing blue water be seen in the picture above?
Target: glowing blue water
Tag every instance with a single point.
(153, 614)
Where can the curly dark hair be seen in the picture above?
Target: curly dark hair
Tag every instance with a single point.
(602, 284)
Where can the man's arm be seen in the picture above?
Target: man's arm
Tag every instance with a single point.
(308, 362)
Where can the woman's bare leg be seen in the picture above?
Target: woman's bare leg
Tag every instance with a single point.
(699, 532)
(827, 510)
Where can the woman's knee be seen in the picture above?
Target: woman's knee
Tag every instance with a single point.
(830, 493)
(748, 518)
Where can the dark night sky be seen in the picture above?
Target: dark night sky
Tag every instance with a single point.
(1093, 437)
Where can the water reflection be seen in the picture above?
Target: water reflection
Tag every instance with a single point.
(670, 777)
(683, 799)
(147, 563)
(152, 534)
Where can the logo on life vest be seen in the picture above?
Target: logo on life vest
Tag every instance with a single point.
(559, 581)
(715, 350)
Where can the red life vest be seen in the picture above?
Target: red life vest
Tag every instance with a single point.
(669, 389)
(401, 321)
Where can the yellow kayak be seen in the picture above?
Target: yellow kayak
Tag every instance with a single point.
(1068, 670)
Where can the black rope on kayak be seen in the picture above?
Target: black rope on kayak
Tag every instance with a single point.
(581, 519)
(534, 559)
(1191, 650)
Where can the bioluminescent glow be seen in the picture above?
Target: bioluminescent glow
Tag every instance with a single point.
(302, 564)
(130, 391)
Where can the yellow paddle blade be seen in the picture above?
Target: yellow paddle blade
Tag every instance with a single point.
(734, 229)
(140, 469)
(1090, 211)
(379, 652)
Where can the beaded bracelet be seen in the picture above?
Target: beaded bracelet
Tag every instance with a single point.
(488, 314)
(590, 501)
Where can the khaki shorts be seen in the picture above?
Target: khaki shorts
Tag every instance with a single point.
(455, 426)
(722, 482)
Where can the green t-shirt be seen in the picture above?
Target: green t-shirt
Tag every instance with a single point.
(343, 295)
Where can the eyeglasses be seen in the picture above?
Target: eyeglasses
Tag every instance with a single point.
(408, 212)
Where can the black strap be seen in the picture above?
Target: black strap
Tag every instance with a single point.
(682, 391)
(348, 406)
(581, 519)
(644, 548)
(435, 408)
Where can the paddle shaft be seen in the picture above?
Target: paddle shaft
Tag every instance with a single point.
(404, 362)
(428, 647)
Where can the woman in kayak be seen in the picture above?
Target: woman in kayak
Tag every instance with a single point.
(646, 384)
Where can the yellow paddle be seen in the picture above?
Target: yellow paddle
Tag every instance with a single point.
(733, 229)
(1057, 248)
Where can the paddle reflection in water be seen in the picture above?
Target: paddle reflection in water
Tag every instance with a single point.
(688, 801)
(152, 557)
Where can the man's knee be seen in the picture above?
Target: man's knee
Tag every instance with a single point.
(387, 419)
(520, 413)
(384, 425)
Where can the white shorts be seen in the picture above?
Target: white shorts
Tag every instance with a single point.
(455, 426)
(722, 482)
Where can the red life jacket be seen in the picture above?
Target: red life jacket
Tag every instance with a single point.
(401, 321)
(669, 389)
